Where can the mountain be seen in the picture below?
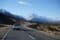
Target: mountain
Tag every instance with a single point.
(39, 19)
(8, 18)
(42, 19)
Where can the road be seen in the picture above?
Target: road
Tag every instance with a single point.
(26, 35)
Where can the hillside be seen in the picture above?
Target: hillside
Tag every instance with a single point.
(9, 18)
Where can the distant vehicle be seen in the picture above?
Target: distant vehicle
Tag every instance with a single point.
(18, 27)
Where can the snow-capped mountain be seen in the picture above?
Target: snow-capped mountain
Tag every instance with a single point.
(42, 19)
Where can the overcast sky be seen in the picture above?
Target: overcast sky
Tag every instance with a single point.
(47, 8)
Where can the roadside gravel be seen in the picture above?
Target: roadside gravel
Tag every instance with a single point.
(3, 30)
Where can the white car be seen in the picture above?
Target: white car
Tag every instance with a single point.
(19, 27)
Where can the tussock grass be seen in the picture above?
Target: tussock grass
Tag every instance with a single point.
(3, 30)
(47, 28)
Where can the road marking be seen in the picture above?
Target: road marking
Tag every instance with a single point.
(32, 37)
(5, 35)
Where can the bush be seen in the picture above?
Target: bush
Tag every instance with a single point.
(1, 25)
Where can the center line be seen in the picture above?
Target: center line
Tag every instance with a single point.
(32, 37)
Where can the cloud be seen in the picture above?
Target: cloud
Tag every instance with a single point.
(24, 3)
(20, 2)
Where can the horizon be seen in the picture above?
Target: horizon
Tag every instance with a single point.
(45, 8)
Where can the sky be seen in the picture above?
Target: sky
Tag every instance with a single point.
(46, 8)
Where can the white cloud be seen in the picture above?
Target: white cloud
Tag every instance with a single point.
(24, 3)
(20, 2)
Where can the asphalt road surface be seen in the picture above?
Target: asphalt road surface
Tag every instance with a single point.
(26, 35)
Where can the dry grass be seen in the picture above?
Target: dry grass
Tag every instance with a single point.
(50, 30)
(3, 30)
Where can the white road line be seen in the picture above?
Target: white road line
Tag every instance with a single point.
(32, 37)
(5, 35)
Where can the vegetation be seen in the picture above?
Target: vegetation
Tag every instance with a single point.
(47, 28)
(2, 25)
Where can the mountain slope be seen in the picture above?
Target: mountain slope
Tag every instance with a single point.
(8, 18)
